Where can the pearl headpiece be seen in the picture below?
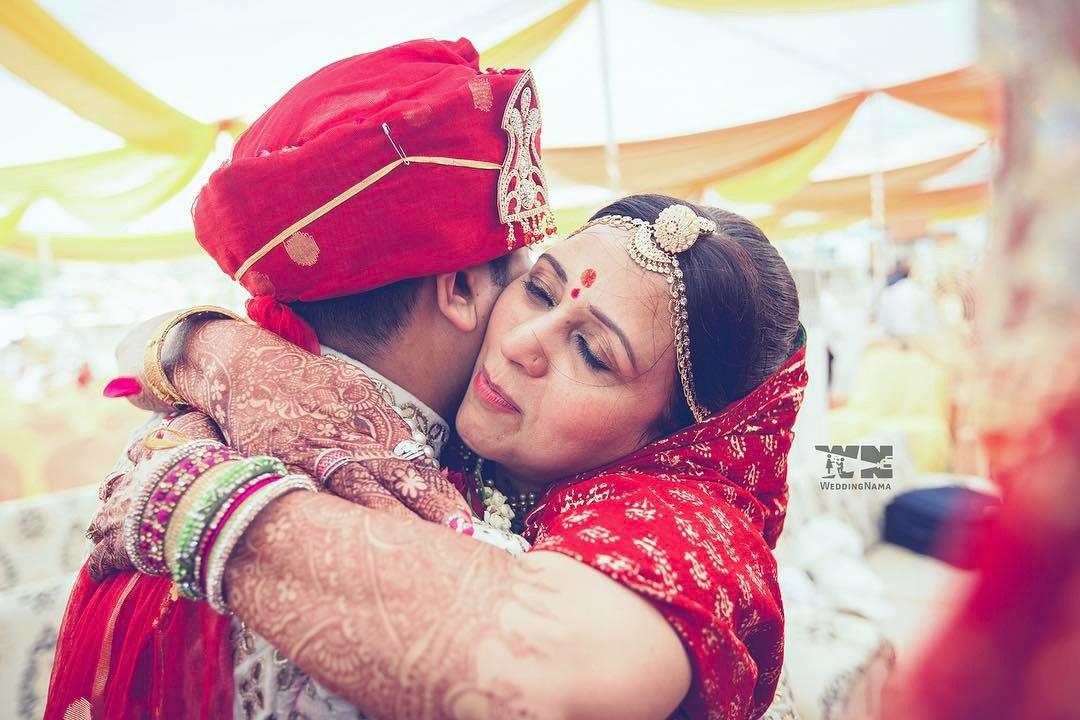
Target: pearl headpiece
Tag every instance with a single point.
(655, 247)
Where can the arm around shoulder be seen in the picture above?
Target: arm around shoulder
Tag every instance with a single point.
(614, 655)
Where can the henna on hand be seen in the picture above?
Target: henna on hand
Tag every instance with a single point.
(269, 397)
(405, 620)
(106, 528)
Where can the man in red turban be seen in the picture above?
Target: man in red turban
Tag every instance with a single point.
(374, 213)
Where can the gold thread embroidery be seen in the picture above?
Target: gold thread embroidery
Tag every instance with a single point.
(302, 248)
(259, 283)
(243, 642)
(482, 98)
(250, 690)
(418, 116)
(78, 710)
(101, 675)
(523, 194)
(351, 192)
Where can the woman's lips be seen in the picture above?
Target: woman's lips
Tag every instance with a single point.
(492, 395)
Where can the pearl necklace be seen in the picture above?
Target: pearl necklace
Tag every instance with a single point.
(502, 512)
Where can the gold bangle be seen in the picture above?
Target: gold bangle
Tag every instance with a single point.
(157, 438)
(154, 371)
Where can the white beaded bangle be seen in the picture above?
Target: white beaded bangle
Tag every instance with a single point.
(237, 525)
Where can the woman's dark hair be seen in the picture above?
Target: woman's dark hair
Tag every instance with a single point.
(742, 304)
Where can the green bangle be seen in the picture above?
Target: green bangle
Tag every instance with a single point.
(206, 507)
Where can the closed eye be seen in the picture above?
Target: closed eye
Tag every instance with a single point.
(587, 354)
(538, 292)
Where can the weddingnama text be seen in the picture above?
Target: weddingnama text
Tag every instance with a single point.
(827, 485)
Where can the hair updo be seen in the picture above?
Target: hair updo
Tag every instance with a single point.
(742, 304)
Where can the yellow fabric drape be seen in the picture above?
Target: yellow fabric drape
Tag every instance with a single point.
(946, 204)
(164, 147)
(933, 205)
(776, 229)
(99, 187)
(523, 47)
(687, 162)
(45, 54)
(969, 95)
(770, 160)
(851, 195)
(783, 177)
(105, 248)
(9, 220)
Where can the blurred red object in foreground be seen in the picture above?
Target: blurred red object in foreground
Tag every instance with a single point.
(1012, 649)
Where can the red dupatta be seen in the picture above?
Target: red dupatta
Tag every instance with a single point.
(688, 522)
(128, 647)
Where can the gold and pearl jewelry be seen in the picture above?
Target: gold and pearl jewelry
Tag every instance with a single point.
(502, 512)
(655, 247)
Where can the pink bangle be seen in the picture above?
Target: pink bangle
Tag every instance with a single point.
(215, 526)
(238, 524)
(163, 501)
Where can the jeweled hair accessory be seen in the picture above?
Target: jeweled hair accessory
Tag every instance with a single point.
(655, 247)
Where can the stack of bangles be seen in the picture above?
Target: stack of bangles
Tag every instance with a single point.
(195, 504)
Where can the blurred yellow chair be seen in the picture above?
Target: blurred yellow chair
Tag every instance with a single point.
(898, 390)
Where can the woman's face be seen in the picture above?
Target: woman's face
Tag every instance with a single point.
(577, 365)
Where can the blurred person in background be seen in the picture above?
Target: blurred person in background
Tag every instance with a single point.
(906, 309)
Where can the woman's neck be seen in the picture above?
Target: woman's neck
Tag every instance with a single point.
(506, 480)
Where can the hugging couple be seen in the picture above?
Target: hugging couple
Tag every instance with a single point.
(435, 479)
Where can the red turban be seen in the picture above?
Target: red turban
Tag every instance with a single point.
(404, 162)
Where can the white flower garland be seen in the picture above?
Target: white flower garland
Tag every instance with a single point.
(497, 510)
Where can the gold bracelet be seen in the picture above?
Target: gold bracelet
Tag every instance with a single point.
(153, 369)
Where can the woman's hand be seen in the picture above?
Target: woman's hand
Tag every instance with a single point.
(109, 554)
(269, 397)
(107, 526)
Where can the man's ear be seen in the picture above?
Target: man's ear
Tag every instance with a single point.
(456, 295)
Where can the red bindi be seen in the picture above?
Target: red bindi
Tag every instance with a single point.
(588, 277)
(575, 292)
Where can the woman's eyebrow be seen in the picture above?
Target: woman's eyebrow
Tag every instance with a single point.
(610, 325)
(559, 270)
